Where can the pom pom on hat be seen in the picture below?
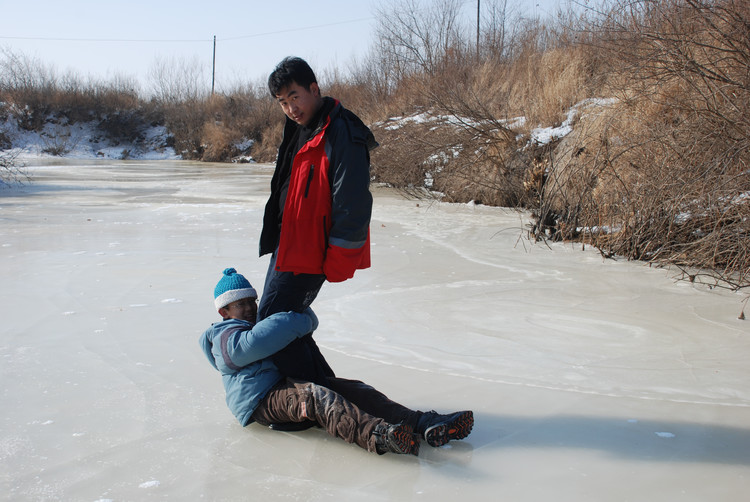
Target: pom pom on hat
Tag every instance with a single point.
(232, 287)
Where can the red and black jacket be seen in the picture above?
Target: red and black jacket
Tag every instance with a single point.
(325, 227)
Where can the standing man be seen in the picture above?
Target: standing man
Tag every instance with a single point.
(317, 219)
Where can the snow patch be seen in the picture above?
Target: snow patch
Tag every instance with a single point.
(545, 135)
(84, 140)
(666, 435)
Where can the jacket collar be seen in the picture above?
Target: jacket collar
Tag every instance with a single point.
(329, 109)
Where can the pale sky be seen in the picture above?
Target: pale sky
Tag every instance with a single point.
(105, 39)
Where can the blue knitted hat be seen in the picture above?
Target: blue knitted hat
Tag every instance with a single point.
(232, 287)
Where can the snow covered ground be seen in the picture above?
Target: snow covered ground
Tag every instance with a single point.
(591, 380)
(82, 140)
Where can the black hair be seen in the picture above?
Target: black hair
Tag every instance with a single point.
(291, 70)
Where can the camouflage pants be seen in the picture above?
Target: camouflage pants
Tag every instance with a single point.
(348, 409)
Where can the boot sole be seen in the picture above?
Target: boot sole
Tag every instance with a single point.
(404, 441)
(458, 428)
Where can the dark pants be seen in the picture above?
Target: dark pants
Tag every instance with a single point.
(284, 292)
(348, 409)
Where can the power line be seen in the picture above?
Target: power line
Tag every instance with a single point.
(188, 40)
(129, 40)
(304, 28)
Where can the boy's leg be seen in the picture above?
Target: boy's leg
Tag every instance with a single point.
(436, 429)
(374, 402)
(296, 401)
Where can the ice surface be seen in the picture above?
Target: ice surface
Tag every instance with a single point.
(590, 379)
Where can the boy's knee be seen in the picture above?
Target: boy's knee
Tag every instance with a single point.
(300, 404)
(346, 428)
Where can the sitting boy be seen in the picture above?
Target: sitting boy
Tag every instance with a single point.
(256, 391)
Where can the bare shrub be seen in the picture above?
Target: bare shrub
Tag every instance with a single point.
(581, 178)
(127, 125)
(178, 87)
(11, 171)
(482, 159)
(414, 38)
(400, 159)
(5, 142)
(218, 142)
(353, 96)
(545, 85)
(693, 81)
(258, 117)
(58, 141)
(28, 84)
(462, 159)
(665, 177)
(374, 87)
(185, 121)
(266, 147)
(44, 102)
(244, 114)
(178, 80)
(477, 149)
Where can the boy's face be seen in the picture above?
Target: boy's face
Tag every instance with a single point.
(244, 310)
(298, 103)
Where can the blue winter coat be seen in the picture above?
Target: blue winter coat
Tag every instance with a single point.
(241, 350)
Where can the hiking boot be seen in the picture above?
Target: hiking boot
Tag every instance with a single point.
(438, 429)
(397, 438)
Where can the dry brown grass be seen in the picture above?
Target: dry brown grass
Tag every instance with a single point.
(543, 86)
(663, 176)
(218, 142)
(267, 145)
(474, 148)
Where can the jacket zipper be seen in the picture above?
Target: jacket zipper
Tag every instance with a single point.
(309, 179)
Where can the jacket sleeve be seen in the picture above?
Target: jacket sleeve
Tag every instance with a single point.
(351, 204)
(242, 347)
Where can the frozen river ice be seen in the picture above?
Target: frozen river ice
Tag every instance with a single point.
(590, 379)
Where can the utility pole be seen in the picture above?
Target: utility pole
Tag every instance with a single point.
(213, 69)
(478, 30)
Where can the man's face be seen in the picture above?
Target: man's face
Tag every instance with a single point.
(245, 310)
(298, 103)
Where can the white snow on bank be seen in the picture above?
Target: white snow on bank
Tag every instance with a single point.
(82, 140)
(545, 135)
(87, 141)
(540, 135)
